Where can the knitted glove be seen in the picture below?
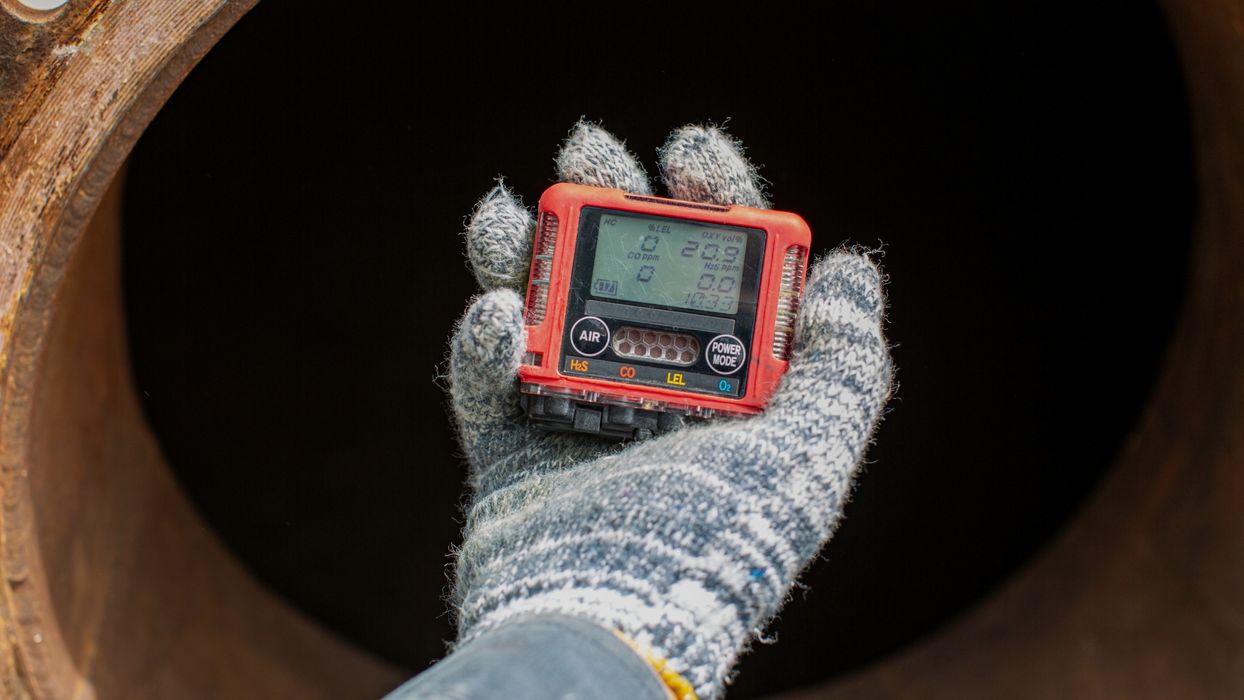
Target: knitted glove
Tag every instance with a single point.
(687, 543)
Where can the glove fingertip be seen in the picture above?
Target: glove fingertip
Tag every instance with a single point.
(843, 285)
(705, 164)
(841, 371)
(498, 240)
(593, 156)
(489, 342)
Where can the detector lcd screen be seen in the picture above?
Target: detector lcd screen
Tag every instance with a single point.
(667, 262)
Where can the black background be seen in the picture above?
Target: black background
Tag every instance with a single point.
(293, 269)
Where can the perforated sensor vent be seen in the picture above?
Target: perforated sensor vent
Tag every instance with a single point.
(656, 346)
(788, 299)
(543, 247)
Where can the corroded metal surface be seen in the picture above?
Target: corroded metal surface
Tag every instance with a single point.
(112, 585)
(113, 588)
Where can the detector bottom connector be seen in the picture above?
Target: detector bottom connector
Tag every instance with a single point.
(565, 414)
(600, 414)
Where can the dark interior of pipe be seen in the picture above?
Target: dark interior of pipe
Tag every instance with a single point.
(293, 268)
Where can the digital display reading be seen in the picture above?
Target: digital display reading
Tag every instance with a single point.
(671, 263)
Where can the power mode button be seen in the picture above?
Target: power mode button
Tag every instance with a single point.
(725, 354)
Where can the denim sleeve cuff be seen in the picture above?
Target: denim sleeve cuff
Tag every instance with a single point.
(539, 657)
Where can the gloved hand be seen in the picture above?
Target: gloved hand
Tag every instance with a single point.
(687, 543)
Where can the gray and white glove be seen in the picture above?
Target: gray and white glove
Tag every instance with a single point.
(687, 543)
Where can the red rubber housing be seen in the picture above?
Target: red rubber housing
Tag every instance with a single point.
(565, 201)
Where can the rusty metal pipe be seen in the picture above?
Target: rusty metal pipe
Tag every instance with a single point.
(113, 587)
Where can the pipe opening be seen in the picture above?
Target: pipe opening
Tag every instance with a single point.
(292, 268)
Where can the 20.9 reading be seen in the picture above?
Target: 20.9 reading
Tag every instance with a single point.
(710, 288)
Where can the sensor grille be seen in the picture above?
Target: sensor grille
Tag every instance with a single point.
(543, 247)
(788, 300)
(656, 346)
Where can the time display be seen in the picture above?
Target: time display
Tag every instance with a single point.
(668, 262)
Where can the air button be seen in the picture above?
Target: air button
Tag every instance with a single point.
(589, 336)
